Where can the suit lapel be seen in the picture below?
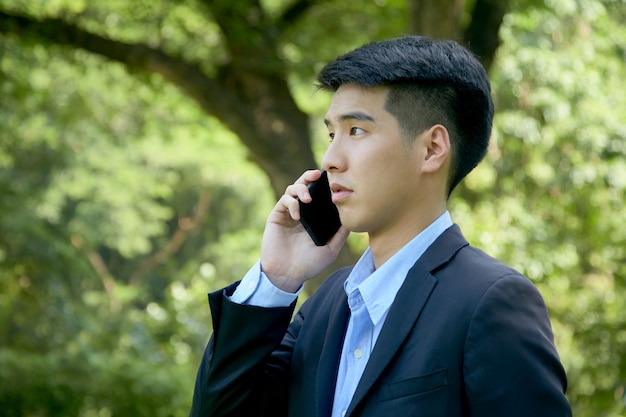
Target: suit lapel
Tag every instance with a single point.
(330, 356)
(402, 316)
(406, 308)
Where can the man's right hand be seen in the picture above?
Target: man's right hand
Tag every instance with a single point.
(289, 257)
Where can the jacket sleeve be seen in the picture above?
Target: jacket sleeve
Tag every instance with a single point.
(245, 367)
(511, 365)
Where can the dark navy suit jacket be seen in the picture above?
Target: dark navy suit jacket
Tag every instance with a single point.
(465, 336)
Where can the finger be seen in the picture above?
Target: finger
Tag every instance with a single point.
(300, 189)
(297, 191)
(293, 206)
(309, 176)
(288, 204)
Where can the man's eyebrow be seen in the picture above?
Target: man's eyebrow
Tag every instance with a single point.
(352, 116)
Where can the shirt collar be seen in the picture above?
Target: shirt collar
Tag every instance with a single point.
(378, 287)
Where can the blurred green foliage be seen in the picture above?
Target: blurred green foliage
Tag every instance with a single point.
(102, 302)
(123, 203)
(550, 197)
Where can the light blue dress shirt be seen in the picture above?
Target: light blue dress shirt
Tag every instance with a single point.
(370, 294)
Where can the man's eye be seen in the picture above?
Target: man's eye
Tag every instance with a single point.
(331, 136)
(356, 131)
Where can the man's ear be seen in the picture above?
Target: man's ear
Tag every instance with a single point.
(436, 142)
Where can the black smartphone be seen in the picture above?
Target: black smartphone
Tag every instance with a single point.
(320, 217)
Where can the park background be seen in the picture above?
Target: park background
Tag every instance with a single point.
(143, 142)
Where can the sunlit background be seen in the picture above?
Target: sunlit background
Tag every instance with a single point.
(127, 194)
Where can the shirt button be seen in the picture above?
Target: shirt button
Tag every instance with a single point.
(358, 354)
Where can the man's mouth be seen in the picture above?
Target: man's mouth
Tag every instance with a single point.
(339, 192)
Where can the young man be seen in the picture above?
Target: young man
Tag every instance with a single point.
(424, 324)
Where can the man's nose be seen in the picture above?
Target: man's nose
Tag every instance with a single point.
(334, 158)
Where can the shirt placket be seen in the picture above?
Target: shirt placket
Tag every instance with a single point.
(357, 351)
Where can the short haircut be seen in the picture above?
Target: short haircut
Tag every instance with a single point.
(431, 82)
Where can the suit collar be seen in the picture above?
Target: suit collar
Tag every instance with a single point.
(443, 249)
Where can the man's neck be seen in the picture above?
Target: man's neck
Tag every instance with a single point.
(385, 244)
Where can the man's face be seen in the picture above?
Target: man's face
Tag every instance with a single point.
(374, 174)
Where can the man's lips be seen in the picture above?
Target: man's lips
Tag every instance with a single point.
(339, 192)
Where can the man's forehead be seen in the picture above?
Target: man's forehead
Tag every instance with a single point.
(356, 102)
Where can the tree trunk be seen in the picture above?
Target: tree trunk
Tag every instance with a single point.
(436, 18)
(441, 19)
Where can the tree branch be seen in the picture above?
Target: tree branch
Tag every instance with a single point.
(293, 13)
(101, 269)
(186, 76)
(249, 94)
(185, 226)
